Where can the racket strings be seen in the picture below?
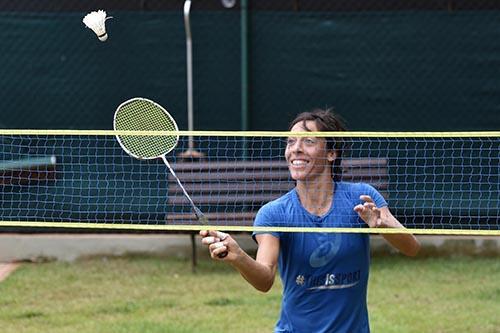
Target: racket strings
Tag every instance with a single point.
(143, 115)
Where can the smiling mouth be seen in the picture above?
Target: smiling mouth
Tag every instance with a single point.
(298, 163)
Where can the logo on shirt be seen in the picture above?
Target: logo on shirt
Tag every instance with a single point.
(326, 251)
(329, 280)
(337, 281)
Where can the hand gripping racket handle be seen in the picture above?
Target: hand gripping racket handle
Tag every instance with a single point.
(203, 219)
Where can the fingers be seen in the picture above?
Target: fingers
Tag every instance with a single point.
(215, 242)
(366, 198)
(221, 235)
(366, 207)
(359, 208)
(214, 233)
(209, 240)
(369, 213)
(217, 248)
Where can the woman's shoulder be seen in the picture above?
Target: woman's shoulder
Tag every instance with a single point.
(279, 203)
(273, 213)
(353, 191)
(354, 187)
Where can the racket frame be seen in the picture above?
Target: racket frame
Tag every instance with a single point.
(163, 110)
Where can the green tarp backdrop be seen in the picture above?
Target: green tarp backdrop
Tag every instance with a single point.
(403, 70)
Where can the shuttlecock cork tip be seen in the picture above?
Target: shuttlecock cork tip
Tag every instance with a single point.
(96, 21)
(103, 38)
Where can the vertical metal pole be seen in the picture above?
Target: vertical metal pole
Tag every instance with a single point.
(244, 73)
(189, 63)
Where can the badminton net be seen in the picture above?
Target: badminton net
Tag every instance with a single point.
(434, 183)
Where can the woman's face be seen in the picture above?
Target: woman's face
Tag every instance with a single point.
(308, 157)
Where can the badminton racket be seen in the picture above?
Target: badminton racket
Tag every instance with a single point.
(141, 114)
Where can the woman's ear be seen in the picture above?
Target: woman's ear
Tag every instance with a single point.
(332, 155)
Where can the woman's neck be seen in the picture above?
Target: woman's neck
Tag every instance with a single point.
(316, 196)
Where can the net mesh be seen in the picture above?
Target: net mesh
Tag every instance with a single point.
(145, 115)
(437, 183)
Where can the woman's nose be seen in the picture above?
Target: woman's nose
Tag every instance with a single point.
(297, 146)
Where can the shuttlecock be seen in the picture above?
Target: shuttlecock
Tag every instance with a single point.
(97, 22)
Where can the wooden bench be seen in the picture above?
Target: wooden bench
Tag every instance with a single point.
(231, 193)
(28, 171)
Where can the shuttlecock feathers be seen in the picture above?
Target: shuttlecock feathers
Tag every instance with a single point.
(97, 22)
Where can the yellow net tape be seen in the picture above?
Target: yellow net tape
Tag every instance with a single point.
(176, 227)
(473, 134)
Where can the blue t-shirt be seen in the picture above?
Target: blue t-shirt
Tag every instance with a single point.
(324, 275)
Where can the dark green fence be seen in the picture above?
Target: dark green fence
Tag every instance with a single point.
(431, 66)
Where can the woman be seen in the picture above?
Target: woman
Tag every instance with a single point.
(324, 275)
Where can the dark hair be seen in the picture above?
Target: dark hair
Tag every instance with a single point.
(326, 121)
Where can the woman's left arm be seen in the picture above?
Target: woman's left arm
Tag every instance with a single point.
(383, 218)
(405, 243)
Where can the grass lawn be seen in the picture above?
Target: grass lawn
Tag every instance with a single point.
(148, 294)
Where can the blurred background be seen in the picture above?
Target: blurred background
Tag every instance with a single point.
(383, 65)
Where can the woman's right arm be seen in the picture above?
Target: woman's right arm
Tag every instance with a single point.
(259, 272)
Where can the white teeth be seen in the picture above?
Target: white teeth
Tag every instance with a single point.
(299, 162)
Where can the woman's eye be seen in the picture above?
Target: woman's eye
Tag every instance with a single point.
(309, 141)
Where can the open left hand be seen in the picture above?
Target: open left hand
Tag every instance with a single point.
(369, 213)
